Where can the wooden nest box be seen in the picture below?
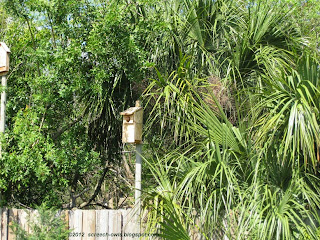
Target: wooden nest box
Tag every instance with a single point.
(132, 125)
(4, 59)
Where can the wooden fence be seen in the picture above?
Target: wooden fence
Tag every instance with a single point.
(84, 224)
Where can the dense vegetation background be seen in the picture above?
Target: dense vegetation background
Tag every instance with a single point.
(232, 99)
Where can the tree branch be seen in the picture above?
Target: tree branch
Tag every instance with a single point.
(65, 128)
(98, 187)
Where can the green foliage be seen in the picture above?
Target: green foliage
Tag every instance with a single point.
(224, 186)
(46, 225)
(74, 66)
(307, 16)
(31, 161)
(168, 91)
(233, 107)
(256, 177)
(290, 105)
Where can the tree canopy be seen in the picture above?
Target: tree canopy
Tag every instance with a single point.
(231, 97)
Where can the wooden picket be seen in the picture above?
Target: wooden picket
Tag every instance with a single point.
(83, 224)
(4, 224)
(102, 223)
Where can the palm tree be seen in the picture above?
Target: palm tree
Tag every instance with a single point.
(256, 177)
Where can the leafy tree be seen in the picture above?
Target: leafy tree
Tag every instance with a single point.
(75, 66)
(232, 102)
(48, 224)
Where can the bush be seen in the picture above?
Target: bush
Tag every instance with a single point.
(48, 224)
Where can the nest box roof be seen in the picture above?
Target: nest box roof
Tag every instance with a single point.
(131, 111)
(5, 47)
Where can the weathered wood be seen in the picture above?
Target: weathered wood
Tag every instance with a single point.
(13, 218)
(4, 224)
(84, 224)
(130, 228)
(23, 219)
(132, 125)
(75, 225)
(89, 224)
(33, 219)
(102, 224)
(115, 225)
